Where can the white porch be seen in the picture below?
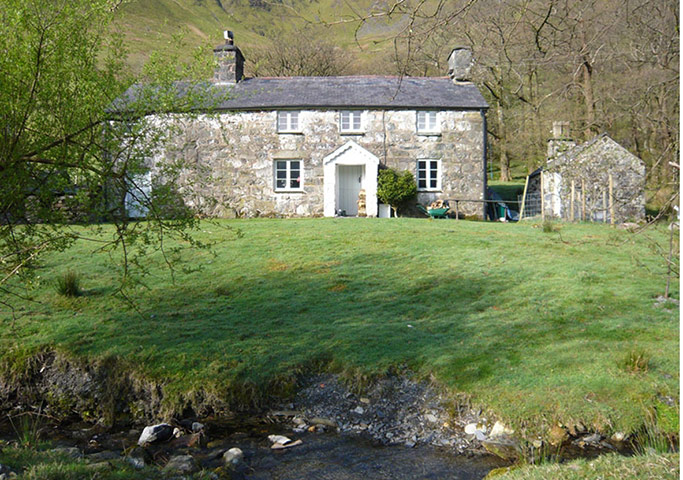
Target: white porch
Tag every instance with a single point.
(346, 171)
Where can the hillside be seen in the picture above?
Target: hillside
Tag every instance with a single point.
(149, 26)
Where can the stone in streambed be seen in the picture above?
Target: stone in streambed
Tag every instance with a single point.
(233, 457)
(499, 429)
(503, 447)
(323, 421)
(71, 452)
(156, 434)
(557, 436)
(183, 464)
(103, 456)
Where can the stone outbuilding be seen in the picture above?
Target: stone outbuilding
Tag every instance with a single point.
(307, 146)
(598, 180)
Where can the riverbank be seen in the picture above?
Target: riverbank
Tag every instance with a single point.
(559, 335)
(394, 427)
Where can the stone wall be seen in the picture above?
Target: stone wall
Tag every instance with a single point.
(589, 170)
(233, 154)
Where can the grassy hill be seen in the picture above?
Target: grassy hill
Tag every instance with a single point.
(149, 24)
(536, 326)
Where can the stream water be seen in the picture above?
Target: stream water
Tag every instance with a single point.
(325, 456)
(331, 456)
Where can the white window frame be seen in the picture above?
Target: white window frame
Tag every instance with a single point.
(288, 175)
(429, 175)
(430, 122)
(288, 121)
(355, 121)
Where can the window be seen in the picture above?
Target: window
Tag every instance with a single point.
(427, 122)
(288, 122)
(428, 175)
(288, 175)
(349, 121)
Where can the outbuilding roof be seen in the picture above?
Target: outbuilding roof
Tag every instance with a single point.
(352, 92)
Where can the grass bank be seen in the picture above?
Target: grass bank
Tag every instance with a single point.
(538, 327)
(651, 466)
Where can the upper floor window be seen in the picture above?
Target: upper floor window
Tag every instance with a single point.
(427, 122)
(288, 122)
(350, 121)
(428, 175)
(288, 175)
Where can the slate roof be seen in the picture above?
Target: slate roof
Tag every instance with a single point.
(577, 150)
(380, 92)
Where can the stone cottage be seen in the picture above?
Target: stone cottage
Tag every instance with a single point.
(307, 146)
(598, 180)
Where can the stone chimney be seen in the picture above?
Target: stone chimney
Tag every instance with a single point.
(460, 63)
(229, 62)
(561, 140)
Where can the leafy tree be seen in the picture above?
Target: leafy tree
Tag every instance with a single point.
(67, 156)
(395, 188)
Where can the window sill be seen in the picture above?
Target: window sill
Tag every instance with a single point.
(429, 134)
(433, 190)
(299, 132)
(290, 191)
(352, 132)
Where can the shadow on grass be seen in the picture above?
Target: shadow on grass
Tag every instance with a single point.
(351, 313)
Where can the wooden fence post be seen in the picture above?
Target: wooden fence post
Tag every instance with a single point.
(611, 200)
(521, 210)
(571, 205)
(542, 197)
(583, 200)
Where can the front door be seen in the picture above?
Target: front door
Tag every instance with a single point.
(350, 180)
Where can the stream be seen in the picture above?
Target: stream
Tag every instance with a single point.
(321, 455)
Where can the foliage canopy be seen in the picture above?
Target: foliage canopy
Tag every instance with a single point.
(65, 156)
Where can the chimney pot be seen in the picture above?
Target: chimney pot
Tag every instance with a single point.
(229, 61)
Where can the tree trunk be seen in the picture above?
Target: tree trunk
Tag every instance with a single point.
(587, 87)
(502, 141)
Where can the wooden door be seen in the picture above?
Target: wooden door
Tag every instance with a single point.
(350, 180)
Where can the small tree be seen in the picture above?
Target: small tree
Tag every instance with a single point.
(395, 188)
(65, 148)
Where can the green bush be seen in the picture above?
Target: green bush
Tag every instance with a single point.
(396, 188)
(69, 284)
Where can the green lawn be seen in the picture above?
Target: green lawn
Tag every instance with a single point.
(534, 326)
(609, 467)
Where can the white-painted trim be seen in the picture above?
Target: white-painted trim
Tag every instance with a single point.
(288, 115)
(439, 174)
(350, 154)
(436, 130)
(288, 189)
(351, 130)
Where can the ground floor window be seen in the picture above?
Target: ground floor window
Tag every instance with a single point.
(288, 175)
(429, 175)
